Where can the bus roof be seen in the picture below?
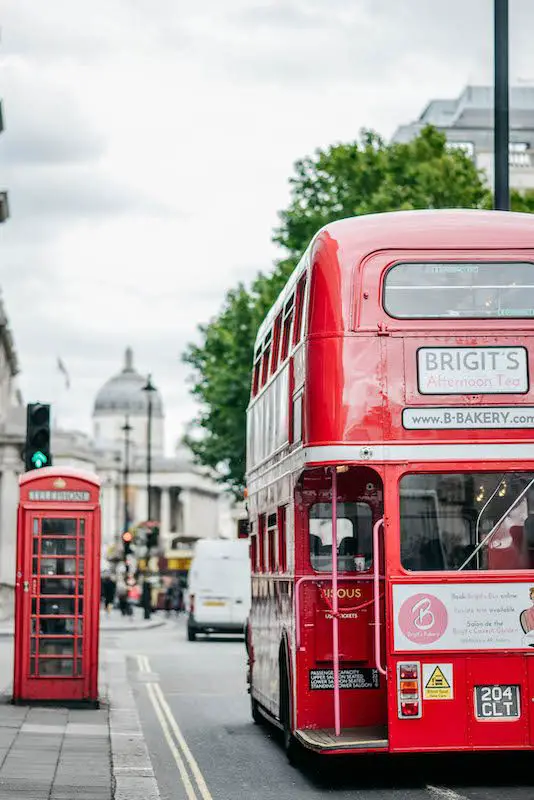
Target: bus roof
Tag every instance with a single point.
(431, 229)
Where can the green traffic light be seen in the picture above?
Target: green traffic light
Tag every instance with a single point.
(39, 459)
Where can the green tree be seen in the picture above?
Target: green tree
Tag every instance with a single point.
(370, 176)
(344, 180)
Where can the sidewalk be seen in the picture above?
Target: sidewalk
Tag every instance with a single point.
(54, 753)
(115, 622)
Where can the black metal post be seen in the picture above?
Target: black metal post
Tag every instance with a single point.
(126, 474)
(149, 389)
(502, 111)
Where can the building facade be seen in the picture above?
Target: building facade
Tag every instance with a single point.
(467, 122)
(12, 435)
(185, 499)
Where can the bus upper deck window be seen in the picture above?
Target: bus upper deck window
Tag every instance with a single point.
(287, 327)
(474, 290)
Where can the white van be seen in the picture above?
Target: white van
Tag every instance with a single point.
(219, 587)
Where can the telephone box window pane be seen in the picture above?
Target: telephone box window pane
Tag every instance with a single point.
(56, 627)
(35, 566)
(80, 587)
(35, 546)
(58, 586)
(56, 566)
(33, 645)
(81, 547)
(80, 606)
(55, 666)
(82, 527)
(36, 527)
(78, 666)
(58, 547)
(80, 566)
(32, 666)
(34, 606)
(56, 647)
(59, 605)
(59, 527)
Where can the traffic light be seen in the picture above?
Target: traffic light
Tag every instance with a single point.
(152, 537)
(37, 448)
(127, 543)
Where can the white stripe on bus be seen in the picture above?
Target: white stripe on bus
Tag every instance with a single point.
(337, 453)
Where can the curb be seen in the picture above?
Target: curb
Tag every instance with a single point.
(6, 634)
(133, 627)
(132, 772)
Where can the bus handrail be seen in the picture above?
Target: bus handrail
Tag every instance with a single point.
(376, 594)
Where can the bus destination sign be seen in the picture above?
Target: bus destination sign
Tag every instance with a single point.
(472, 370)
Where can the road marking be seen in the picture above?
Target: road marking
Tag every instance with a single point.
(195, 769)
(444, 792)
(188, 786)
(166, 719)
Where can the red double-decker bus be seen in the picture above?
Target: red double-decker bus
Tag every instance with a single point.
(391, 488)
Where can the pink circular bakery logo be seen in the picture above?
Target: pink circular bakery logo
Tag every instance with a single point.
(423, 618)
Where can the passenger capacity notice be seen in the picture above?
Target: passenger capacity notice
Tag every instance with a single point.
(448, 417)
(361, 678)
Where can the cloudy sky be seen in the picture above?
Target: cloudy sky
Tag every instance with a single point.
(148, 145)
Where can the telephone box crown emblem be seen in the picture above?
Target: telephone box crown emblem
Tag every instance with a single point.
(59, 483)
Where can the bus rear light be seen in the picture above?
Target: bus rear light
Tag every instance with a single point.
(410, 709)
(408, 672)
(191, 603)
(409, 690)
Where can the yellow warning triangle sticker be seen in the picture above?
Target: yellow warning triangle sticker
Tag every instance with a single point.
(438, 680)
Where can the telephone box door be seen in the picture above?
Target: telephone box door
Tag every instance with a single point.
(57, 605)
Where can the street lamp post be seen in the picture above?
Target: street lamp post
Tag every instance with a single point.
(127, 428)
(149, 388)
(502, 112)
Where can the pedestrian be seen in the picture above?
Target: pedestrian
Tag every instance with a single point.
(146, 598)
(122, 595)
(108, 592)
(168, 602)
(179, 599)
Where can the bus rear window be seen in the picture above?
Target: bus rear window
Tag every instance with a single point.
(491, 290)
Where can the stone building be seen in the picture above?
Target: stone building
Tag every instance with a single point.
(185, 498)
(467, 122)
(12, 434)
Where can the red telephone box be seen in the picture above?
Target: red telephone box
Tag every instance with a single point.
(57, 594)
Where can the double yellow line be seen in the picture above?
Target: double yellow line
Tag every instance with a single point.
(192, 778)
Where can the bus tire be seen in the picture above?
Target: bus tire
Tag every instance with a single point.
(289, 742)
(257, 716)
(191, 633)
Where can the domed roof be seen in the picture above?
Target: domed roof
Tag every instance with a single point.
(123, 394)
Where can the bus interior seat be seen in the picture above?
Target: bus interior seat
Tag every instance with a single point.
(315, 544)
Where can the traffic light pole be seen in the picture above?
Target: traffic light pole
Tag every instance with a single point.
(126, 477)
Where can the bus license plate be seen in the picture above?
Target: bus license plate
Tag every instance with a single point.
(497, 702)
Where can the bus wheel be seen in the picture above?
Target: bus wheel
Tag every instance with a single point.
(191, 634)
(289, 741)
(255, 711)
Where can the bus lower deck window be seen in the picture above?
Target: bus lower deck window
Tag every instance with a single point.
(467, 521)
(354, 536)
